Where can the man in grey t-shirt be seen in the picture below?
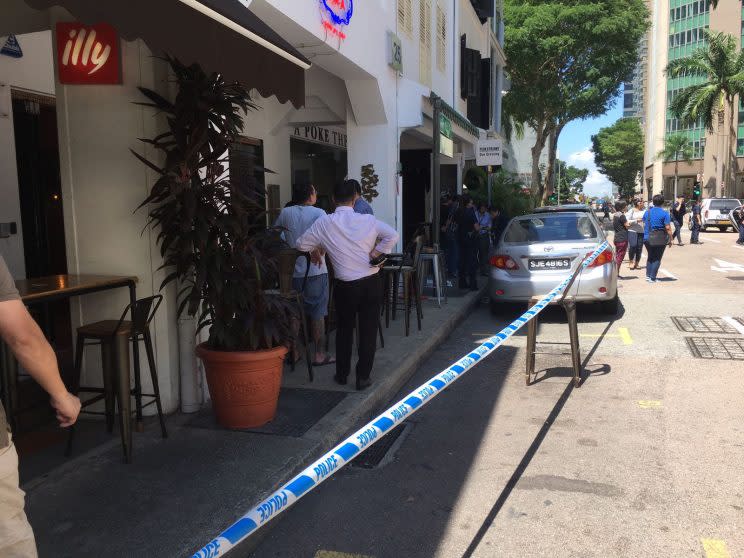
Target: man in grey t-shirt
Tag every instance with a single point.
(295, 220)
(23, 336)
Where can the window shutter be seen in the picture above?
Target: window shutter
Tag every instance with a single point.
(441, 39)
(405, 16)
(425, 43)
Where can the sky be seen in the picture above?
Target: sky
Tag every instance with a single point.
(575, 147)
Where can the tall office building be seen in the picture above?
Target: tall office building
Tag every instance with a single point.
(676, 31)
(634, 88)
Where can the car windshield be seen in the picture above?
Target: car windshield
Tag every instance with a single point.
(551, 228)
(724, 206)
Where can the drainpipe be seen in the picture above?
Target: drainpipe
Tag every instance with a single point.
(436, 171)
(191, 387)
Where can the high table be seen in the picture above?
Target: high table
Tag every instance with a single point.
(60, 287)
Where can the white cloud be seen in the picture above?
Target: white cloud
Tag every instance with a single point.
(596, 183)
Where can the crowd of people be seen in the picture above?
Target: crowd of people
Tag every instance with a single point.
(468, 231)
(656, 229)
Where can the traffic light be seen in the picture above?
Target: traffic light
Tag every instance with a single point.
(696, 191)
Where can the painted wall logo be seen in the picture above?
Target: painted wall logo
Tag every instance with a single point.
(88, 54)
(336, 14)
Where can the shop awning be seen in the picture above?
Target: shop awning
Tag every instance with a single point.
(221, 35)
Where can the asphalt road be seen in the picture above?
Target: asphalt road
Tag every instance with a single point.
(644, 459)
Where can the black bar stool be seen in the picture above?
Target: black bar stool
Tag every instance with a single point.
(103, 333)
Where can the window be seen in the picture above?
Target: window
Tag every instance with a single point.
(441, 39)
(425, 43)
(405, 16)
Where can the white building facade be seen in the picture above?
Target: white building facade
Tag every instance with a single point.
(375, 66)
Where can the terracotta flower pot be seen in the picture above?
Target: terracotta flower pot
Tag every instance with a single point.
(244, 385)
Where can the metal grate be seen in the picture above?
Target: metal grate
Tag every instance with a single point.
(702, 325)
(716, 348)
(375, 455)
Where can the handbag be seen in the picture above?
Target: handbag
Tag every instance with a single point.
(657, 237)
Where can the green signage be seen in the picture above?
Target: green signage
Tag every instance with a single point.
(445, 126)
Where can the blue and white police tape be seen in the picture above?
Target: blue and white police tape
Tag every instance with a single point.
(372, 432)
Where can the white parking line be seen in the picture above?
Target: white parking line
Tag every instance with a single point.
(709, 239)
(734, 323)
(667, 274)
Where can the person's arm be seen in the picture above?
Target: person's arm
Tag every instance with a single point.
(310, 239)
(23, 336)
(668, 227)
(624, 221)
(387, 237)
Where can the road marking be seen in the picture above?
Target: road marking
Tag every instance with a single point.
(625, 336)
(334, 554)
(715, 548)
(709, 239)
(649, 404)
(723, 266)
(667, 274)
(734, 323)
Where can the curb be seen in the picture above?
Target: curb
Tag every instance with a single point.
(330, 429)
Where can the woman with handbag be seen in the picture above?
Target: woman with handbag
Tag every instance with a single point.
(657, 235)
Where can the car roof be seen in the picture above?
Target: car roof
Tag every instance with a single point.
(572, 207)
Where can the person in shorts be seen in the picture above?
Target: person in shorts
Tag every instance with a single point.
(295, 220)
(27, 342)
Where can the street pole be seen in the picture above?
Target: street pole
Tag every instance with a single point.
(436, 171)
(559, 183)
(676, 173)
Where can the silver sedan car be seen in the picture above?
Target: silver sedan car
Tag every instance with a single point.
(536, 252)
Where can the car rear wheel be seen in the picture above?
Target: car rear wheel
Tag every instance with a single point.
(703, 228)
(610, 307)
(496, 307)
(723, 229)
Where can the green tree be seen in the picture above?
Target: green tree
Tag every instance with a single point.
(569, 183)
(676, 148)
(618, 153)
(721, 65)
(566, 60)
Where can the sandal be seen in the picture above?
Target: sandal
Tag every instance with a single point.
(327, 360)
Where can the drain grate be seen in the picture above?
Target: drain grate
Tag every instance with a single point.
(386, 447)
(702, 325)
(717, 348)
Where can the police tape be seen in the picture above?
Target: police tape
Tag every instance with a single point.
(373, 431)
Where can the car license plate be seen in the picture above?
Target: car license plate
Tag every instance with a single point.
(723, 222)
(553, 263)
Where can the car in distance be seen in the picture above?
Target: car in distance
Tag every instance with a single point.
(538, 251)
(715, 212)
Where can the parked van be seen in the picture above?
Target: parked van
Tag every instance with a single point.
(714, 212)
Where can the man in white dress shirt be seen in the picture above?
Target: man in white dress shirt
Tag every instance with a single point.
(351, 240)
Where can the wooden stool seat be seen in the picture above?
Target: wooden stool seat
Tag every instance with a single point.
(105, 329)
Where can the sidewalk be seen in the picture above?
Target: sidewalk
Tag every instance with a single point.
(180, 492)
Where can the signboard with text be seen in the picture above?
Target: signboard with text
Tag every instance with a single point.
(446, 144)
(88, 54)
(335, 137)
(488, 153)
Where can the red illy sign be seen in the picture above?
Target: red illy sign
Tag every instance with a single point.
(88, 54)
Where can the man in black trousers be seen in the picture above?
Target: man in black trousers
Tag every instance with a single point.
(355, 243)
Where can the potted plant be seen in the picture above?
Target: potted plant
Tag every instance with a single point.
(215, 245)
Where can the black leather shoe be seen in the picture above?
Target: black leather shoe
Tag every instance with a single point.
(339, 380)
(363, 384)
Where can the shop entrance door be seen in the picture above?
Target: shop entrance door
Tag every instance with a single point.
(45, 253)
(416, 165)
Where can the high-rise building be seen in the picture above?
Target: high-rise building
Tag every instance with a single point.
(634, 88)
(677, 30)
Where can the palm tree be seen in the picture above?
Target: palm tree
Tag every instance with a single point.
(676, 148)
(721, 63)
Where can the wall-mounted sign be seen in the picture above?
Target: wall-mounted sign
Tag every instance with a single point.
(395, 52)
(336, 14)
(11, 47)
(88, 54)
(335, 137)
(446, 145)
(488, 152)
